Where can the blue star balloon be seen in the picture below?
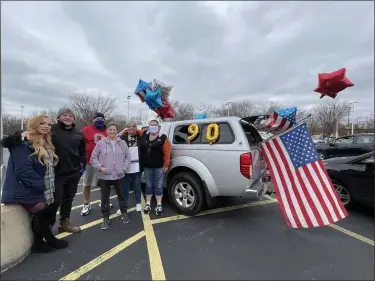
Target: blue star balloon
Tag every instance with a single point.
(142, 85)
(201, 116)
(153, 99)
(288, 113)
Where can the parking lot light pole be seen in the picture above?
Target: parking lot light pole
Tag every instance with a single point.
(128, 98)
(22, 107)
(227, 105)
(353, 103)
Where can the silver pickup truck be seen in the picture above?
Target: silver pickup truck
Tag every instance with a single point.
(200, 171)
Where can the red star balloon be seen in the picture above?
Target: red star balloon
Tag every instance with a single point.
(165, 112)
(330, 84)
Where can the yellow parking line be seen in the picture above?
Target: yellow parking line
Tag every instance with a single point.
(215, 211)
(102, 258)
(347, 232)
(90, 224)
(353, 234)
(156, 265)
(92, 203)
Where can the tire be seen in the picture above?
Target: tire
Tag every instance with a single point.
(322, 155)
(343, 190)
(184, 182)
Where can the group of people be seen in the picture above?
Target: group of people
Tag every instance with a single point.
(47, 161)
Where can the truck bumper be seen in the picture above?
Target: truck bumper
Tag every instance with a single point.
(258, 189)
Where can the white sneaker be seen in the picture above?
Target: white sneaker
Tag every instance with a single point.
(110, 205)
(86, 210)
(138, 207)
(118, 212)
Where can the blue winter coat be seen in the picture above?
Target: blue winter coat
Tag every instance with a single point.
(24, 180)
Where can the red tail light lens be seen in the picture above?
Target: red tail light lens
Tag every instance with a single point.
(246, 165)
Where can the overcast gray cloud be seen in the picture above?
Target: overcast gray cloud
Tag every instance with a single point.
(212, 52)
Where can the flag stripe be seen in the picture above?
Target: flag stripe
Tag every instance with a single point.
(306, 205)
(325, 192)
(292, 191)
(316, 196)
(280, 194)
(314, 182)
(332, 191)
(312, 199)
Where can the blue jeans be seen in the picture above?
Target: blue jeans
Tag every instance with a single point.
(135, 179)
(154, 181)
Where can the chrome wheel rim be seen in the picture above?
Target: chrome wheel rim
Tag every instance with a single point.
(343, 194)
(321, 156)
(184, 194)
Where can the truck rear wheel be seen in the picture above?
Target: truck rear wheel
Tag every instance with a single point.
(186, 193)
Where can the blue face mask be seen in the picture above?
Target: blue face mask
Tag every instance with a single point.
(99, 124)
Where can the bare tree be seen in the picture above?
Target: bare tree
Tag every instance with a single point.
(240, 109)
(327, 113)
(11, 124)
(268, 107)
(51, 113)
(85, 106)
(183, 111)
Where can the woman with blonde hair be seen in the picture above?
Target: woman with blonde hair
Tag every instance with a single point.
(30, 179)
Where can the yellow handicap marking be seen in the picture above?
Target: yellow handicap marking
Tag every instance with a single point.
(156, 264)
(216, 211)
(91, 224)
(102, 258)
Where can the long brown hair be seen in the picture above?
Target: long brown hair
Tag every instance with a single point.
(39, 141)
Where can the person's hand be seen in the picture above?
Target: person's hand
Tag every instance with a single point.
(103, 170)
(25, 134)
(165, 169)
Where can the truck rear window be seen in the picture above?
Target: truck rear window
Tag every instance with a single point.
(252, 134)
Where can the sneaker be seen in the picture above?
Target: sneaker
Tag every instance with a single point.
(147, 209)
(118, 212)
(159, 210)
(138, 207)
(86, 210)
(125, 218)
(110, 205)
(105, 223)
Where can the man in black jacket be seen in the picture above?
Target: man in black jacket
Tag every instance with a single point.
(70, 148)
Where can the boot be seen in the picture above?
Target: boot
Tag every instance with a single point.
(105, 223)
(65, 226)
(40, 246)
(125, 218)
(43, 230)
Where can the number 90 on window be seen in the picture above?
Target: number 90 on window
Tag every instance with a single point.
(212, 133)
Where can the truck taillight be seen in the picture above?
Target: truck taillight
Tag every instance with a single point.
(246, 165)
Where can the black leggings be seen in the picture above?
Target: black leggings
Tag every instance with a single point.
(105, 187)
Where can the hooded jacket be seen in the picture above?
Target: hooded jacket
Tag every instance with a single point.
(24, 180)
(116, 163)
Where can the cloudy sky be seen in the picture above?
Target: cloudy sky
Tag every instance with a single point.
(212, 52)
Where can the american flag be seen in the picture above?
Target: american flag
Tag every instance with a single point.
(303, 188)
(282, 119)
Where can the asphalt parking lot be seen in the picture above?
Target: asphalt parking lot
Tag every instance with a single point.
(236, 241)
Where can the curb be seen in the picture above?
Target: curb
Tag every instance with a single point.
(16, 235)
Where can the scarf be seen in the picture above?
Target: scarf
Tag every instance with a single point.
(49, 178)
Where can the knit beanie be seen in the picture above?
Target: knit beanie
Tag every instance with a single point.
(63, 110)
(98, 114)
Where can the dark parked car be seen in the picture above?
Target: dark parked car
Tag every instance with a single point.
(352, 145)
(353, 178)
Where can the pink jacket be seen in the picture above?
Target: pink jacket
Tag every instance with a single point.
(115, 162)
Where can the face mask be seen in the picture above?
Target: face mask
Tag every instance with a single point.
(99, 124)
(153, 129)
